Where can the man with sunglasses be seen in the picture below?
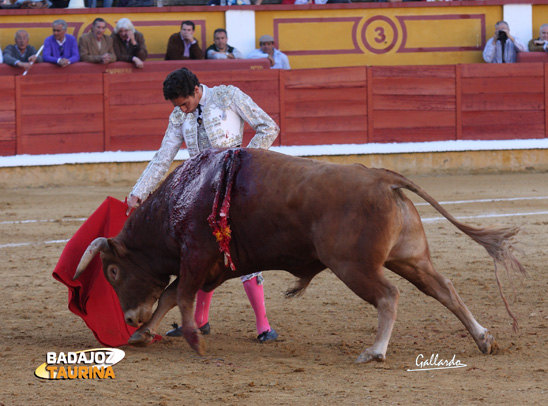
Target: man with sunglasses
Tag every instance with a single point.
(61, 48)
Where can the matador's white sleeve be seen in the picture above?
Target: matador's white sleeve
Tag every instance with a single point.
(265, 128)
(156, 169)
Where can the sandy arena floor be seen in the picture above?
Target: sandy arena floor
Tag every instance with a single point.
(321, 334)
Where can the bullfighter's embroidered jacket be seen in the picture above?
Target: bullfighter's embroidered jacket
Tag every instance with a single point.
(224, 110)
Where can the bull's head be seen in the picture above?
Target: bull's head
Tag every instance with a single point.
(136, 288)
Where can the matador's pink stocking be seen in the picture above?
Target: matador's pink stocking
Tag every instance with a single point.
(203, 300)
(255, 294)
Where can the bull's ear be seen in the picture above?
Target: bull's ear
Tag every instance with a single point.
(99, 244)
(118, 248)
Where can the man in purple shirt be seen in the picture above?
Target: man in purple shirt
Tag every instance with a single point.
(183, 45)
(61, 48)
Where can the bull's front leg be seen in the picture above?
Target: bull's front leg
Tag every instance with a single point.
(186, 297)
(168, 300)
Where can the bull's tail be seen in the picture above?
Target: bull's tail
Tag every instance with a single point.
(299, 288)
(499, 242)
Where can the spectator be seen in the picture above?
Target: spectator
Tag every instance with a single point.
(220, 48)
(183, 45)
(135, 3)
(502, 47)
(301, 2)
(95, 46)
(21, 55)
(9, 4)
(61, 48)
(129, 44)
(539, 44)
(278, 60)
(235, 3)
(59, 3)
(33, 3)
(93, 3)
(1, 57)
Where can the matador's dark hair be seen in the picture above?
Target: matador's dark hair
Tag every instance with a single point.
(180, 83)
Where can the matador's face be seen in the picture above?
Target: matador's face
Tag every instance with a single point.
(188, 104)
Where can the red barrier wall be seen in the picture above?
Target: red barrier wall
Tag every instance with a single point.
(97, 108)
(503, 101)
(413, 103)
(7, 115)
(324, 106)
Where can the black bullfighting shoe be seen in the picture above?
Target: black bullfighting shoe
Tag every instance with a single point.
(205, 329)
(267, 336)
(178, 331)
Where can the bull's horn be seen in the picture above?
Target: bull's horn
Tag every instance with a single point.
(99, 244)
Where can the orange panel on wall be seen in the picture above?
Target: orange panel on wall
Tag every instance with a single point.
(61, 113)
(68, 84)
(413, 104)
(327, 106)
(7, 116)
(491, 70)
(7, 93)
(511, 85)
(61, 143)
(503, 101)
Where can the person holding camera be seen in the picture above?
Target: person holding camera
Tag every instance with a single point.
(540, 44)
(502, 47)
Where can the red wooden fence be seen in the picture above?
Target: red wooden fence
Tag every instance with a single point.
(324, 106)
(7, 115)
(413, 103)
(97, 108)
(503, 102)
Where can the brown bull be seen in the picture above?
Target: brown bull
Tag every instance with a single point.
(295, 214)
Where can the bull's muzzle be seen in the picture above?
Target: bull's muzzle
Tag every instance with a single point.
(137, 317)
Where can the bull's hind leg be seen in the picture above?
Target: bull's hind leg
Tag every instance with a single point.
(374, 288)
(421, 273)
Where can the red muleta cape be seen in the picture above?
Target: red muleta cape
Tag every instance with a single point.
(90, 296)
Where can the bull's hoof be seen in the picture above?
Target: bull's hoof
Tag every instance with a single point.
(487, 343)
(141, 337)
(366, 356)
(195, 340)
(267, 336)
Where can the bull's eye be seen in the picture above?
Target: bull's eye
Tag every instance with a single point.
(112, 273)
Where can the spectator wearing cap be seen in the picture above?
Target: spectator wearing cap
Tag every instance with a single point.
(278, 60)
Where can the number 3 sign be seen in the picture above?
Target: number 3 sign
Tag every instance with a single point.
(379, 34)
